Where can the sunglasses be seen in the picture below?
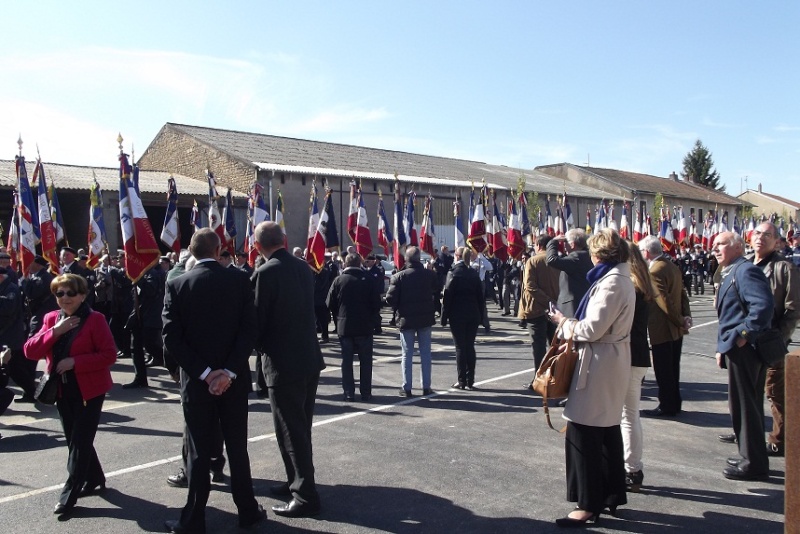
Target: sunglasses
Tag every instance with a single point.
(68, 293)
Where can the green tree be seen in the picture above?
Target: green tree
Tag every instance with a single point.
(698, 166)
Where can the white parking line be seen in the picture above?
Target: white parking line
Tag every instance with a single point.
(156, 463)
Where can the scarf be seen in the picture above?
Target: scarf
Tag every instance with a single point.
(595, 273)
(63, 345)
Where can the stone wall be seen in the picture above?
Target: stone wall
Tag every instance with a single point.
(178, 153)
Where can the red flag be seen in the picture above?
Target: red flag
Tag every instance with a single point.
(516, 243)
(46, 226)
(499, 246)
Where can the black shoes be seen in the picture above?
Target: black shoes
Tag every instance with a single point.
(179, 480)
(260, 516)
(295, 508)
(737, 473)
(280, 490)
(174, 526)
(349, 397)
(405, 393)
(658, 412)
(733, 461)
(633, 481)
(568, 522)
(27, 399)
(458, 385)
(63, 509)
(427, 391)
(727, 438)
(470, 387)
(366, 397)
(773, 449)
(92, 489)
(217, 476)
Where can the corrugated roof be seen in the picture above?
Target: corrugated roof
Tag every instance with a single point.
(80, 178)
(665, 186)
(269, 152)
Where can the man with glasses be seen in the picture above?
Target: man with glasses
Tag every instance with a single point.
(745, 308)
(785, 284)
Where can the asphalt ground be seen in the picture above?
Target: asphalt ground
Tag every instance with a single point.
(454, 461)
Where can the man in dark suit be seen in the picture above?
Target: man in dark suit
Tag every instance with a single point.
(463, 306)
(355, 302)
(745, 307)
(666, 324)
(212, 351)
(284, 293)
(572, 283)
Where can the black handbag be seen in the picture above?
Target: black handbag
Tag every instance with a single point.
(47, 389)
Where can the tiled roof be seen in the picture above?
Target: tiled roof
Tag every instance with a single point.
(269, 152)
(665, 186)
(793, 203)
(80, 178)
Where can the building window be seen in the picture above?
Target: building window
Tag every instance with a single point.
(303, 179)
(283, 178)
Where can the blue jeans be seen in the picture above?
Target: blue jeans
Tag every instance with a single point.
(407, 345)
(362, 345)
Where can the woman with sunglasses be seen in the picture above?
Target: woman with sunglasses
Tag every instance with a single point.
(79, 349)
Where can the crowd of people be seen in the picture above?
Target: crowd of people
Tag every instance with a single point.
(624, 305)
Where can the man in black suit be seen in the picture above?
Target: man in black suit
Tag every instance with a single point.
(284, 295)
(463, 305)
(355, 303)
(212, 351)
(572, 283)
(745, 307)
(69, 265)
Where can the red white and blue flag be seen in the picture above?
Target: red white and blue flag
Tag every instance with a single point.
(171, 232)
(611, 221)
(55, 215)
(139, 242)
(195, 221)
(325, 236)
(408, 223)
(46, 228)
(96, 239)
(229, 241)
(549, 223)
(385, 237)
(624, 229)
(215, 221)
(665, 233)
(352, 214)
(524, 221)
(498, 236)
(427, 232)
(637, 227)
(361, 236)
(399, 230)
(28, 218)
(279, 219)
(313, 222)
(568, 219)
(683, 227)
(516, 243)
(476, 238)
(13, 234)
(458, 225)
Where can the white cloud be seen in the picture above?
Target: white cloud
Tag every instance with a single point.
(341, 118)
(786, 128)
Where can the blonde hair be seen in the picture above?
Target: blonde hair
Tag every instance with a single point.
(607, 246)
(640, 274)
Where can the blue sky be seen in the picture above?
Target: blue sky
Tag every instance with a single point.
(626, 85)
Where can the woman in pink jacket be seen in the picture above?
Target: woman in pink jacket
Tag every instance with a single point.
(79, 349)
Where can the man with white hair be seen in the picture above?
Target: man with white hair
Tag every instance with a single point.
(666, 325)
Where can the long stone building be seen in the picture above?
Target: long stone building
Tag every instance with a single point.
(290, 166)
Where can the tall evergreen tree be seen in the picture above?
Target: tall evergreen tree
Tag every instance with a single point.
(699, 166)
